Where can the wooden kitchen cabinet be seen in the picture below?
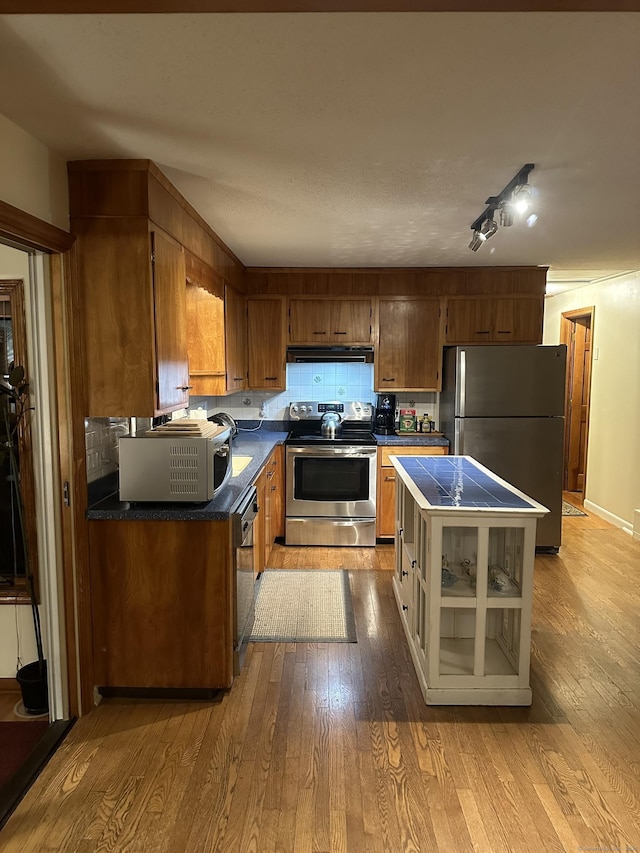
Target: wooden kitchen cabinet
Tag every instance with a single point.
(259, 523)
(162, 594)
(266, 343)
(235, 321)
(270, 486)
(205, 329)
(409, 351)
(494, 319)
(386, 491)
(330, 321)
(132, 280)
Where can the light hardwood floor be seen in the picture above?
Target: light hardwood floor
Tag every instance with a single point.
(329, 747)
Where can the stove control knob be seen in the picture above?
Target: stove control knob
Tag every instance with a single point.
(294, 408)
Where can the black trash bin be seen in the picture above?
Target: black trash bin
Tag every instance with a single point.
(32, 679)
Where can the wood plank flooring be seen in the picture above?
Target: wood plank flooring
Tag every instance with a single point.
(330, 747)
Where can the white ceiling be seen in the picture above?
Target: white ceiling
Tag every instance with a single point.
(356, 139)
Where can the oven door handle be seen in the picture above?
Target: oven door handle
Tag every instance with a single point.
(365, 452)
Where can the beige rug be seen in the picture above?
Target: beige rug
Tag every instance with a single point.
(570, 509)
(304, 607)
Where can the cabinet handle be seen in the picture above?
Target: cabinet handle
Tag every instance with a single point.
(504, 331)
(405, 574)
(273, 488)
(482, 331)
(319, 333)
(388, 378)
(404, 607)
(238, 378)
(401, 531)
(185, 387)
(413, 564)
(273, 378)
(390, 479)
(339, 333)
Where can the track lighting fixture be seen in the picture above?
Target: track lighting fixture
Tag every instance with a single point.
(514, 199)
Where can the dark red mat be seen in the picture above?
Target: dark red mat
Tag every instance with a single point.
(17, 739)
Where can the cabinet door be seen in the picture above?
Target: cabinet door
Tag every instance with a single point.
(235, 339)
(309, 321)
(409, 347)
(114, 277)
(350, 321)
(277, 492)
(205, 329)
(259, 532)
(469, 321)
(266, 343)
(330, 321)
(170, 302)
(517, 320)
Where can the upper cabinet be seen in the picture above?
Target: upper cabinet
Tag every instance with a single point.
(494, 319)
(330, 321)
(132, 282)
(235, 327)
(133, 230)
(266, 343)
(409, 349)
(205, 327)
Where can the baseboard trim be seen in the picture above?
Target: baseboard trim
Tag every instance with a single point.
(609, 516)
(9, 685)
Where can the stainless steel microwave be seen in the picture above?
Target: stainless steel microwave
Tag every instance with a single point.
(172, 468)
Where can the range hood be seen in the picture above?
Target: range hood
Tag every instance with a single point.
(324, 355)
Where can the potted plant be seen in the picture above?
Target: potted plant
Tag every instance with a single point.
(14, 394)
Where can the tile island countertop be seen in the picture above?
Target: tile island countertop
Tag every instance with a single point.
(251, 449)
(454, 484)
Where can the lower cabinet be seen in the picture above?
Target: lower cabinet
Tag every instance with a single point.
(270, 521)
(162, 600)
(386, 490)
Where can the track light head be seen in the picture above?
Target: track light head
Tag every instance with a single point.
(521, 198)
(476, 241)
(506, 214)
(514, 198)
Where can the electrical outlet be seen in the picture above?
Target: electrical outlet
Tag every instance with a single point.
(246, 401)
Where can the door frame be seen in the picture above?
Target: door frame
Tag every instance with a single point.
(23, 231)
(568, 322)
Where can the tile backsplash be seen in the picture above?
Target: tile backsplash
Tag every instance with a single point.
(311, 382)
(101, 445)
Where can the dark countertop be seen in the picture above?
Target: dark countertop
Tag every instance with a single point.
(257, 445)
(427, 439)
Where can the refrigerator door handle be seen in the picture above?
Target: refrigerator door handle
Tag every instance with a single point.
(461, 383)
(458, 438)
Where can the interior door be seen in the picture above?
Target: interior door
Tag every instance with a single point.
(578, 400)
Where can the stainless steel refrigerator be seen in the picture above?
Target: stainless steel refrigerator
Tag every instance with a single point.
(504, 406)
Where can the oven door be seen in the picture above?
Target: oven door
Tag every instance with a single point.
(331, 482)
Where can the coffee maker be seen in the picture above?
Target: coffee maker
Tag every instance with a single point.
(385, 417)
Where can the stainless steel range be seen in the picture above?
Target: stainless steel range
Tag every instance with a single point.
(331, 474)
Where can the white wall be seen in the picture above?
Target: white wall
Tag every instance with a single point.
(613, 461)
(32, 177)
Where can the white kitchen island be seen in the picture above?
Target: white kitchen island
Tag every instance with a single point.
(465, 549)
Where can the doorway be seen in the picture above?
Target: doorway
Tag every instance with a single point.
(576, 332)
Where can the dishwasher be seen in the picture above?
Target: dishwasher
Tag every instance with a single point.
(244, 581)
